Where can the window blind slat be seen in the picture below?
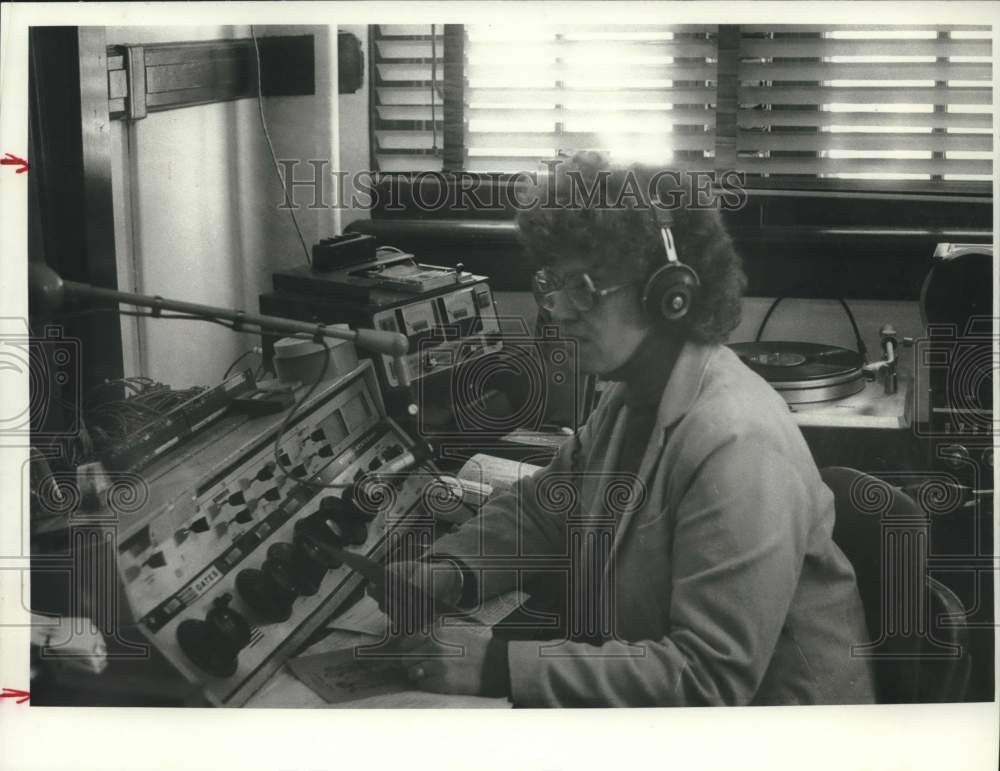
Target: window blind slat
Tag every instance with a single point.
(635, 50)
(826, 47)
(584, 96)
(589, 140)
(597, 69)
(664, 115)
(405, 113)
(848, 141)
(408, 163)
(406, 49)
(407, 96)
(864, 95)
(823, 71)
(836, 166)
(778, 117)
(409, 30)
(897, 30)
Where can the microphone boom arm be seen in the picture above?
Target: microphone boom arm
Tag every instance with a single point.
(52, 289)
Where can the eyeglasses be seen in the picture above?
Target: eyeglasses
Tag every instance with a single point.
(578, 287)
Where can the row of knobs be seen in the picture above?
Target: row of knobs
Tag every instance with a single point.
(290, 570)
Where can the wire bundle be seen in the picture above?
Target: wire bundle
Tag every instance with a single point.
(110, 421)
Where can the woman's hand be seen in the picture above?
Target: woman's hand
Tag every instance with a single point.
(416, 592)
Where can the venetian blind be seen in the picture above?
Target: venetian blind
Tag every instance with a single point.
(640, 92)
(898, 106)
(407, 97)
(878, 103)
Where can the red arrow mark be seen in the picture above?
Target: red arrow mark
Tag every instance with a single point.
(13, 160)
(21, 696)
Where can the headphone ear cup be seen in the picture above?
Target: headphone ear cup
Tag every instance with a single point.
(670, 292)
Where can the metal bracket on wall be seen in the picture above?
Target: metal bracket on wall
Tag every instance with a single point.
(135, 69)
(165, 76)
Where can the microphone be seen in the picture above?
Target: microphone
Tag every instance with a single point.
(47, 292)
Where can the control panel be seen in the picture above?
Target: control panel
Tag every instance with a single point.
(230, 576)
(443, 331)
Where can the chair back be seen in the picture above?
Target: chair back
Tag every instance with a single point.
(918, 635)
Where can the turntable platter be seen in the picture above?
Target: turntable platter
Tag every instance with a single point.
(804, 372)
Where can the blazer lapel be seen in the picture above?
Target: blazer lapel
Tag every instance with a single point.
(679, 395)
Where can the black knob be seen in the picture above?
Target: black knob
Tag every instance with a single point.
(262, 593)
(265, 473)
(326, 451)
(237, 498)
(281, 572)
(228, 628)
(316, 545)
(299, 471)
(295, 563)
(202, 647)
(343, 522)
(352, 530)
(334, 505)
(273, 494)
(200, 525)
(318, 435)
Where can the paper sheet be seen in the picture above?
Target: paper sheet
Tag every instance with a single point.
(341, 676)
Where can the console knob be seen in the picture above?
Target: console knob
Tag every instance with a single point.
(331, 505)
(262, 593)
(281, 573)
(352, 530)
(228, 628)
(315, 540)
(201, 646)
(295, 562)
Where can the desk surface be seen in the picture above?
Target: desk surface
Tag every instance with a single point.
(284, 690)
(868, 408)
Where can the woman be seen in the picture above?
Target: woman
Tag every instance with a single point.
(687, 516)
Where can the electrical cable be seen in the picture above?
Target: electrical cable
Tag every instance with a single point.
(760, 329)
(239, 358)
(270, 145)
(284, 423)
(858, 340)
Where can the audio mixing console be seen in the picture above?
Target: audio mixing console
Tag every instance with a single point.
(230, 569)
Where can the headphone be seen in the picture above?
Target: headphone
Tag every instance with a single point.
(671, 289)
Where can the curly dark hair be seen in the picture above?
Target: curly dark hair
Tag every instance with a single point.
(602, 214)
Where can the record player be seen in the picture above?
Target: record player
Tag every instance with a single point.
(805, 373)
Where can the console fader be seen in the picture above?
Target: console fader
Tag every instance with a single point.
(231, 570)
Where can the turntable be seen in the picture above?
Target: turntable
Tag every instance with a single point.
(805, 373)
